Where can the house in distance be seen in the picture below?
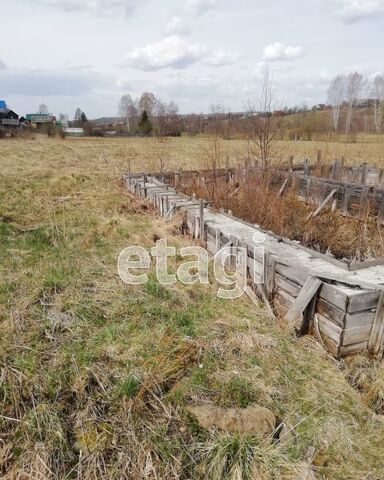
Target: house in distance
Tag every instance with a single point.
(8, 118)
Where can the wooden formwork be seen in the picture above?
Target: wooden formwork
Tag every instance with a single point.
(342, 308)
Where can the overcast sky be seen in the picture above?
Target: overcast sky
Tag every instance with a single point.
(87, 53)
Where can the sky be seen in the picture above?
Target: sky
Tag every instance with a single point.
(88, 53)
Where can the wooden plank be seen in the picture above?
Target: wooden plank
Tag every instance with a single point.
(280, 309)
(269, 265)
(264, 297)
(281, 191)
(366, 264)
(362, 300)
(326, 335)
(291, 273)
(354, 349)
(376, 338)
(346, 196)
(328, 292)
(328, 310)
(255, 270)
(359, 318)
(364, 173)
(336, 170)
(329, 328)
(284, 298)
(251, 295)
(287, 285)
(309, 290)
(201, 220)
(322, 205)
(356, 334)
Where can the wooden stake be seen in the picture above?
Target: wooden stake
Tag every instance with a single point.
(376, 339)
(324, 202)
(306, 167)
(281, 191)
(304, 298)
(201, 217)
(364, 173)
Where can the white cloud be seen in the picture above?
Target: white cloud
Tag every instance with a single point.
(175, 52)
(260, 70)
(2, 65)
(279, 51)
(353, 11)
(219, 58)
(48, 82)
(172, 52)
(177, 26)
(97, 7)
(180, 24)
(199, 7)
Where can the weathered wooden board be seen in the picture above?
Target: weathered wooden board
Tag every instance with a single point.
(356, 334)
(336, 315)
(345, 310)
(359, 318)
(304, 298)
(362, 300)
(329, 328)
(376, 339)
(354, 349)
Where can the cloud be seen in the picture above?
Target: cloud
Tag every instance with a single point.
(180, 24)
(278, 51)
(353, 11)
(175, 52)
(172, 52)
(2, 65)
(97, 7)
(38, 82)
(260, 70)
(177, 26)
(219, 58)
(200, 7)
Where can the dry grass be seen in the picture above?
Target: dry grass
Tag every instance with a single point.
(257, 202)
(106, 154)
(95, 376)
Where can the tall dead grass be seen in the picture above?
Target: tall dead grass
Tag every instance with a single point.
(256, 200)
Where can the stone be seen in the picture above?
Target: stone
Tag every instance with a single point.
(253, 420)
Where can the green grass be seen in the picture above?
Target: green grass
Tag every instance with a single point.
(102, 392)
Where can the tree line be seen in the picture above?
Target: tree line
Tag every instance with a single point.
(149, 115)
(346, 93)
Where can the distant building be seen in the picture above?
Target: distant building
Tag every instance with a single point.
(40, 118)
(319, 107)
(73, 132)
(110, 121)
(8, 118)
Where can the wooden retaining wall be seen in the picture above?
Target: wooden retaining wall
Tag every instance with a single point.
(352, 199)
(343, 309)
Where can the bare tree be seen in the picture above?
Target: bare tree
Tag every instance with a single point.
(336, 93)
(77, 116)
(264, 120)
(354, 86)
(148, 102)
(173, 108)
(166, 122)
(128, 110)
(378, 106)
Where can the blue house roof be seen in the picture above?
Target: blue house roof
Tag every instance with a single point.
(3, 104)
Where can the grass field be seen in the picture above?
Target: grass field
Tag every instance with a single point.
(96, 376)
(186, 152)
